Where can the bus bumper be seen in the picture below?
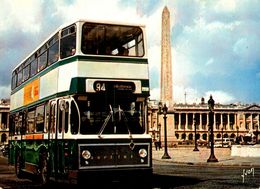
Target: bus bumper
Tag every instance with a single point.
(89, 176)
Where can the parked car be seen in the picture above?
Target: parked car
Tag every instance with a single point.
(2, 146)
(4, 149)
(202, 142)
(227, 142)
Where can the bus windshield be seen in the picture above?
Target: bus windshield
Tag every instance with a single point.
(106, 39)
(99, 116)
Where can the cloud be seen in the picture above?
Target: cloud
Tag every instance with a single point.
(22, 15)
(210, 61)
(5, 92)
(225, 6)
(182, 94)
(155, 94)
(220, 97)
(92, 10)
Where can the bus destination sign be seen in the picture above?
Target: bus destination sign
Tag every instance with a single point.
(103, 86)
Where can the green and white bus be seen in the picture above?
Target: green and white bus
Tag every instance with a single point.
(79, 104)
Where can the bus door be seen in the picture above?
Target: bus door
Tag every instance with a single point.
(62, 128)
(52, 131)
(58, 127)
(52, 120)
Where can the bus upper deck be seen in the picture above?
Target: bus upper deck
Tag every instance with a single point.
(80, 53)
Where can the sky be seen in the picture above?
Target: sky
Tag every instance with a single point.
(215, 44)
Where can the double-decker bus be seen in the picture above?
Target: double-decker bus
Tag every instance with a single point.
(79, 104)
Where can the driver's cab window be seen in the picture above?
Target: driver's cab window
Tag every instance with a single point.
(74, 118)
(39, 115)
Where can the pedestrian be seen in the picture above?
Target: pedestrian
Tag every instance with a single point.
(157, 144)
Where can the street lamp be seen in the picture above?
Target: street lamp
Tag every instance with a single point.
(211, 104)
(256, 134)
(164, 109)
(237, 139)
(222, 135)
(159, 130)
(195, 127)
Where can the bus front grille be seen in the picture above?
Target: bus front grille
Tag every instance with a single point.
(114, 155)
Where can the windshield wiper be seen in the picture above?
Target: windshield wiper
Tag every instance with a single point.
(110, 115)
(121, 112)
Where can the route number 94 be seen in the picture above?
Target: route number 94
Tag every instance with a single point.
(100, 86)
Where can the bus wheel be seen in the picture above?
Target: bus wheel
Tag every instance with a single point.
(18, 168)
(43, 168)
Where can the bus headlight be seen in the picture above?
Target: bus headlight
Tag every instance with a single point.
(142, 153)
(86, 154)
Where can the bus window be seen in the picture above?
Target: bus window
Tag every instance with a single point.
(31, 121)
(39, 118)
(74, 118)
(47, 117)
(53, 118)
(66, 117)
(33, 67)
(26, 72)
(20, 76)
(14, 80)
(121, 117)
(85, 126)
(68, 42)
(53, 54)
(140, 45)
(42, 61)
(109, 39)
(18, 124)
(63, 116)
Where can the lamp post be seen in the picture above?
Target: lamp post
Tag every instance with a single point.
(237, 139)
(165, 155)
(222, 135)
(195, 139)
(256, 139)
(211, 104)
(159, 129)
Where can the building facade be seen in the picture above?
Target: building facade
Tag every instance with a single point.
(4, 121)
(230, 121)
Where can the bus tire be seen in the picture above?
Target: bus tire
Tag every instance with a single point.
(18, 163)
(44, 174)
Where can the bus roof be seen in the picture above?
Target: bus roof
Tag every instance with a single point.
(73, 22)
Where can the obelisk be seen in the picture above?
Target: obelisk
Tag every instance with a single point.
(166, 76)
(166, 59)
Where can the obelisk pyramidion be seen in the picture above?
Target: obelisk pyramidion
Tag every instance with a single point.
(166, 59)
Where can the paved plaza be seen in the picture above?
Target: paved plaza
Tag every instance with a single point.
(186, 155)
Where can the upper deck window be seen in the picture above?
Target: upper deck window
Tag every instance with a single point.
(53, 54)
(14, 79)
(104, 39)
(20, 75)
(68, 42)
(42, 59)
(34, 65)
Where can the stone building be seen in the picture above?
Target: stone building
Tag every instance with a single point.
(230, 121)
(4, 120)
